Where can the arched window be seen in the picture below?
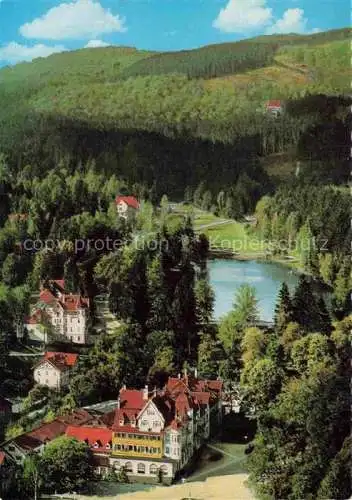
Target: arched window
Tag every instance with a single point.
(153, 469)
(141, 469)
(128, 467)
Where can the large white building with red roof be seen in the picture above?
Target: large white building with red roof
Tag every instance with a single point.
(157, 432)
(67, 313)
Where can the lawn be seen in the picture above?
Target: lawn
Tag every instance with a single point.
(219, 459)
(235, 236)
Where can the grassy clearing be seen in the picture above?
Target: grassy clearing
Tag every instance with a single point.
(220, 459)
(235, 236)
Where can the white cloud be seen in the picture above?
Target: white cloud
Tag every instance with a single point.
(14, 52)
(241, 16)
(96, 43)
(76, 20)
(292, 21)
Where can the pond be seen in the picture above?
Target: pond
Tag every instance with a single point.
(227, 275)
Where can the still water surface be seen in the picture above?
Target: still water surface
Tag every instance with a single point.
(227, 275)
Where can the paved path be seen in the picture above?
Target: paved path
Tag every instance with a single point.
(215, 224)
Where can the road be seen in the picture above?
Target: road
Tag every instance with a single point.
(214, 224)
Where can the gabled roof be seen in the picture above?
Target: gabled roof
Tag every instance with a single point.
(131, 399)
(41, 435)
(131, 201)
(68, 301)
(153, 402)
(60, 360)
(274, 103)
(91, 435)
(72, 302)
(47, 297)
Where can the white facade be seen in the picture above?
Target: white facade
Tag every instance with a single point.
(125, 211)
(150, 419)
(143, 468)
(71, 324)
(49, 375)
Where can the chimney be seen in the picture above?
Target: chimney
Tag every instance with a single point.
(118, 402)
(124, 387)
(179, 375)
(185, 376)
(195, 373)
(145, 393)
(154, 392)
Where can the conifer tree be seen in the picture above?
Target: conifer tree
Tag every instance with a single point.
(305, 308)
(283, 310)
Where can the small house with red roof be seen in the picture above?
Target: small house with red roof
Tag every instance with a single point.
(274, 107)
(127, 206)
(158, 431)
(67, 313)
(18, 448)
(53, 370)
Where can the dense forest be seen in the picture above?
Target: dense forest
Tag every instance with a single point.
(76, 129)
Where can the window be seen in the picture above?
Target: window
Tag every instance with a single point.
(164, 469)
(141, 469)
(78, 338)
(153, 469)
(130, 447)
(144, 422)
(155, 423)
(167, 450)
(150, 411)
(128, 467)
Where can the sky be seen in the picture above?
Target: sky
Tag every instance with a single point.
(37, 28)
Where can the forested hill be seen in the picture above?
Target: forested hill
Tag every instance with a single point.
(193, 103)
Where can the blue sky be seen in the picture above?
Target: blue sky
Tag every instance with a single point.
(32, 28)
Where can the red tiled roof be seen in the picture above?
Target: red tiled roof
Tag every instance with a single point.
(201, 398)
(131, 201)
(74, 302)
(77, 417)
(39, 436)
(47, 297)
(61, 360)
(274, 103)
(182, 404)
(59, 283)
(91, 435)
(52, 430)
(2, 457)
(131, 399)
(69, 358)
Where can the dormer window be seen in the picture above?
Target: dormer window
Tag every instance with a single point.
(121, 422)
(108, 446)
